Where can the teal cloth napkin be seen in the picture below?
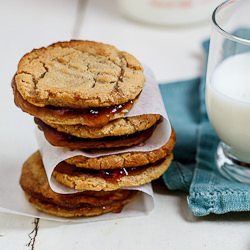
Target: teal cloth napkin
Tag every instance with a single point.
(193, 169)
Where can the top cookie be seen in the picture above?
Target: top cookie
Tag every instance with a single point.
(79, 74)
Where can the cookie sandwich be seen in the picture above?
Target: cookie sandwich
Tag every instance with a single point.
(35, 184)
(78, 82)
(79, 93)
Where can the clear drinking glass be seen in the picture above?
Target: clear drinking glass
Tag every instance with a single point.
(228, 87)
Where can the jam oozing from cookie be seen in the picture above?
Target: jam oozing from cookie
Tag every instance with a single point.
(92, 117)
(94, 111)
(117, 173)
(107, 110)
(109, 174)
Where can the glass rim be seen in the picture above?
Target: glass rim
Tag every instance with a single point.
(221, 30)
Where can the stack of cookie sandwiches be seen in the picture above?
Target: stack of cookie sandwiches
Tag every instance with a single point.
(79, 93)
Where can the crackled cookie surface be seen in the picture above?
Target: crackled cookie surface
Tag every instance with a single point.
(79, 74)
(88, 203)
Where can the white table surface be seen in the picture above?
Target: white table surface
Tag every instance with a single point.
(173, 54)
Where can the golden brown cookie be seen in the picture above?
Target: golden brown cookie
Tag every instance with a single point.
(79, 74)
(60, 139)
(118, 127)
(88, 203)
(87, 211)
(108, 180)
(124, 160)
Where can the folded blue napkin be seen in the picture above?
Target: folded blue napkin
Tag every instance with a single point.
(193, 169)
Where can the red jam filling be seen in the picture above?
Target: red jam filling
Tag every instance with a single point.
(110, 174)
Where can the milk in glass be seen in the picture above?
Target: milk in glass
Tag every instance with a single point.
(228, 104)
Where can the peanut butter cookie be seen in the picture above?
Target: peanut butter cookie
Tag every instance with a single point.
(124, 160)
(118, 127)
(61, 139)
(79, 74)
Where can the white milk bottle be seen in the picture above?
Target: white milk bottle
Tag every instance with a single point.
(228, 104)
(168, 12)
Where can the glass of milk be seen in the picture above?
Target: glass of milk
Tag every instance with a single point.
(228, 87)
